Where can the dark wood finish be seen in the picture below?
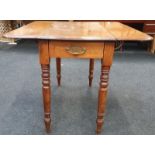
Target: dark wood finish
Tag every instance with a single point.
(91, 70)
(97, 38)
(58, 66)
(149, 27)
(104, 78)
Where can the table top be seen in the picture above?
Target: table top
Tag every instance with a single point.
(88, 31)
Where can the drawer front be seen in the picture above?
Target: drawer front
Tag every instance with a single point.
(76, 49)
(149, 27)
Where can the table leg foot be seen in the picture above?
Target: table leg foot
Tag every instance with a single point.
(47, 121)
(91, 69)
(99, 122)
(58, 66)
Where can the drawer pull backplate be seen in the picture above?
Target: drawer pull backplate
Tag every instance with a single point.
(75, 50)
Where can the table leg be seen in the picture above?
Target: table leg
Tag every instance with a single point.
(91, 69)
(153, 45)
(58, 66)
(104, 78)
(46, 89)
(46, 95)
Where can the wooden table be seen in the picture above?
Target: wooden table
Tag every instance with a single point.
(91, 40)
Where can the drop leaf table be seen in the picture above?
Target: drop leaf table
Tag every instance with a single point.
(90, 40)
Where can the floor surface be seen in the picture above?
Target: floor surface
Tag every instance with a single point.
(130, 104)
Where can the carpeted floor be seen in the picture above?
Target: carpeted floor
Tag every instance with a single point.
(130, 104)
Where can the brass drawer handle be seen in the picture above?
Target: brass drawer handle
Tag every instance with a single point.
(76, 50)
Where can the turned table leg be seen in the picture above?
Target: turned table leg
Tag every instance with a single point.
(46, 89)
(91, 69)
(102, 96)
(104, 78)
(58, 66)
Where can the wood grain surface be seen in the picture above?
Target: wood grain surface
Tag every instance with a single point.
(102, 31)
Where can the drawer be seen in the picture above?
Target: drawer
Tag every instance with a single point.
(149, 22)
(149, 27)
(76, 49)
